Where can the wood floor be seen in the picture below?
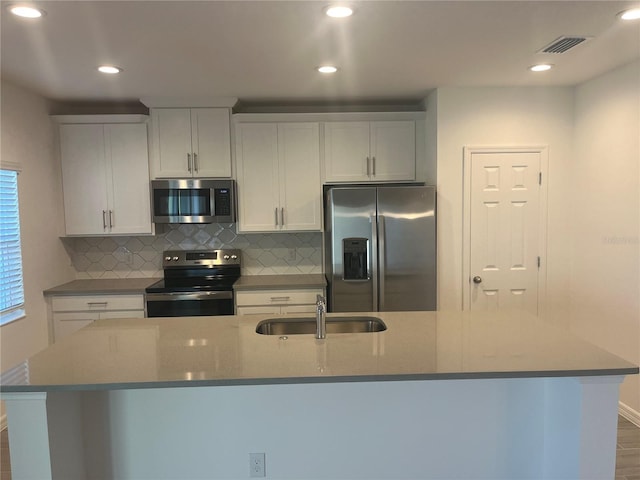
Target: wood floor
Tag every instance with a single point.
(627, 457)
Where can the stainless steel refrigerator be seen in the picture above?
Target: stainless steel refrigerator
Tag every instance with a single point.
(380, 248)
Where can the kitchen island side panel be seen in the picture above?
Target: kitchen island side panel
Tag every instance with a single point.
(462, 429)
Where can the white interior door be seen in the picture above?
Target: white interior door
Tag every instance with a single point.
(504, 225)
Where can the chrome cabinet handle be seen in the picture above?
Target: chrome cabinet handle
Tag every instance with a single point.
(195, 162)
(104, 219)
(368, 167)
(110, 218)
(282, 216)
(477, 279)
(189, 162)
(275, 210)
(97, 304)
(373, 166)
(282, 299)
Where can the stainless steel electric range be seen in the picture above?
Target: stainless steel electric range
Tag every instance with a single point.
(195, 283)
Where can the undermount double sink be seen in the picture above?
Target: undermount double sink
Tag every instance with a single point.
(307, 325)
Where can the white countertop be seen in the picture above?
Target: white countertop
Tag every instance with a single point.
(226, 350)
(265, 282)
(102, 286)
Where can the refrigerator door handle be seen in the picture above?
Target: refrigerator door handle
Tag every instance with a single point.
(373, 259)
(381, 260)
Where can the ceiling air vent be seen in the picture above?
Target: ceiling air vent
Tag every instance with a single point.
(563, 44)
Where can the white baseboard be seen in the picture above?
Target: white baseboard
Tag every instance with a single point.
(629, 413)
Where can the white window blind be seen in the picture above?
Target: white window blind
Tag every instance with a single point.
(11, 286)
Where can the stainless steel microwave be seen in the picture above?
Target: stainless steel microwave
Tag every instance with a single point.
(193, 200)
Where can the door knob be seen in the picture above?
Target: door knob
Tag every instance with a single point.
(477, 279)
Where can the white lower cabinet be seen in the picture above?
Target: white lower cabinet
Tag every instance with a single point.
(71, 313)
(277, 302)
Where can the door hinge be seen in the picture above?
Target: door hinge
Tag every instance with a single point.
(538, 262)
(540, 178)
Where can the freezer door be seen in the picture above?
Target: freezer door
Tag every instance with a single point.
(407, 248)
(350, 226)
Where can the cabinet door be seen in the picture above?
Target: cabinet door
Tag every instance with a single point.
(82, 150)
(300, 186)
(128, 183)
(171, 133)
(210, 137)
(346, 151)
(393, 150)
(257, 171)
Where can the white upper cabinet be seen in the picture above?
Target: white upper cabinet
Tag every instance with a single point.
(376, 151)
(190, 142)
(105, 177)
(278, 177)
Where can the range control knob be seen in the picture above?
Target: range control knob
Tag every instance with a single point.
(175, 259)
(233, 257)
(226, 257)
(168, 259)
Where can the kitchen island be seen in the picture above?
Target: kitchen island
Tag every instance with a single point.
(438, 395)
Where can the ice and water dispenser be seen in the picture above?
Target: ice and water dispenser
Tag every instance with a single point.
(355, 258)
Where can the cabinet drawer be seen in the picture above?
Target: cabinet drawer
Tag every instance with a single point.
(84, 303)
(278, 297)
(259, 310)
(122, 314)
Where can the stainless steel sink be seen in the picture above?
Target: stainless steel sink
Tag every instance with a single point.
(303, 325)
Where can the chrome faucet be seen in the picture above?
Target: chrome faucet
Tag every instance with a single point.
(321, 323)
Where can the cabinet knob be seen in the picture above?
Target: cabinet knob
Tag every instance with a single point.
(477, 279)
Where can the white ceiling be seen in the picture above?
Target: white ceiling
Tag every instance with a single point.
(267, 50)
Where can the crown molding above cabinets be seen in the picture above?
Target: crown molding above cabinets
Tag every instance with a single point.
(192, 102)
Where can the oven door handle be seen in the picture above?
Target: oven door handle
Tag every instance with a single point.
(159, 297)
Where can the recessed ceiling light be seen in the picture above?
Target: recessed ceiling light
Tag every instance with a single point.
(26, 11)
(111, 69)
(543, 67)
(327, 69)
(632, 14)
(338, 11)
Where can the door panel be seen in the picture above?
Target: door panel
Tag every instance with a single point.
(84, 178)
(300, 186)
(130, 208)
(504, 236)
(172, 139)
(210, 142)
(351, 215)
(407, 232)
(257, 170)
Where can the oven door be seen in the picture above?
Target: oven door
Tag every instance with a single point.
(189, 304)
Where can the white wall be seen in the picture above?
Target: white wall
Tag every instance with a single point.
(502, 117)
(605, 267)
(28, 139)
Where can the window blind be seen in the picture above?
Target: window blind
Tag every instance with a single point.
(11, 286)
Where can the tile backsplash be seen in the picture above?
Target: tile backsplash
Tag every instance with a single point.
(123, 257)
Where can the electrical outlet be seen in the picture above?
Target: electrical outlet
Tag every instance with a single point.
(256, 465)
